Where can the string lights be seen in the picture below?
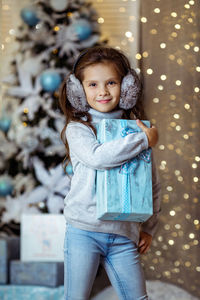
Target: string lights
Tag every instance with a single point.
(169, 62)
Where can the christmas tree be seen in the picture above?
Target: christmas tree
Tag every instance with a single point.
(52, 34)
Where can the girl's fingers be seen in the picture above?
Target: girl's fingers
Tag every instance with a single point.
(143, 246)
(146, 249)
(141, 243)
(141, 125)
(143, 249)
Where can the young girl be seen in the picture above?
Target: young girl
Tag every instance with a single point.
(102, 85)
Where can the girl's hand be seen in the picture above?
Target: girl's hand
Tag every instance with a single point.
(152, 133)
(144, 242)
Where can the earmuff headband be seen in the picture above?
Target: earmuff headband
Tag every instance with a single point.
(78, 59)
(130, 89)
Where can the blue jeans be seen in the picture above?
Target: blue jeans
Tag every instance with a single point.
(85, 250)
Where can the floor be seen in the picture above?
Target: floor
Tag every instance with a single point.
(157, 290)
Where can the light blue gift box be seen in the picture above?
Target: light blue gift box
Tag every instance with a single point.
(124, 193)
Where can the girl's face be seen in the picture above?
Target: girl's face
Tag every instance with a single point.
(102, 84)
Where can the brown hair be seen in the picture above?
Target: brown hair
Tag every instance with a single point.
(90, 57)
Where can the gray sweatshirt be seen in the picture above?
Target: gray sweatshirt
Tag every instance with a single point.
(88, 156)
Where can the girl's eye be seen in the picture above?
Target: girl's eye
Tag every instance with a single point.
(93, 84)
(111, 82)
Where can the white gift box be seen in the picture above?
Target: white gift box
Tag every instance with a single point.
(42, 237)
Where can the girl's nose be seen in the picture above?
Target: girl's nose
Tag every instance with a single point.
(103, 91)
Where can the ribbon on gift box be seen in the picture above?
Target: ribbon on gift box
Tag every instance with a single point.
(130, 167)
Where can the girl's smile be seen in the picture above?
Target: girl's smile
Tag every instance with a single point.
(104, 101)
(102, 84)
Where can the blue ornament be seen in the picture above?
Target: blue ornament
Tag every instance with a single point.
(5, 124)
(82, 28)
(69, 169)
(29, 16)
(6, 187)
(50, 81)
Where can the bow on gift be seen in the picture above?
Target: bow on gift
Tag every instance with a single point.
(131, 166)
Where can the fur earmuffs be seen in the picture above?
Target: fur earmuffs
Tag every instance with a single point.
(130, 92)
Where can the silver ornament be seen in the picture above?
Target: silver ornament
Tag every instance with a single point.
(59, 5)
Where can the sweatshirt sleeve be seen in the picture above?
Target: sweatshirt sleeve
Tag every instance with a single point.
(85, 147)
(150, 226)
